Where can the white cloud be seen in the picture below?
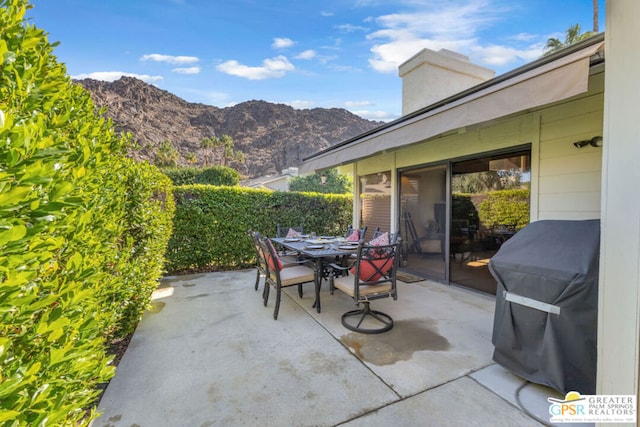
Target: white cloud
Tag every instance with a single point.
(349, 28)
(271, 68)
(453, 25)
(300, 104)
(307, 54)
(281, 43)
(169, 59)
(502, 55)
(384, 116)
(188, 70)
(111, 76)
(525, 37)
(325, 13)
(351, 104)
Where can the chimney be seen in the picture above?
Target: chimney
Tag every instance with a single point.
(431, 76)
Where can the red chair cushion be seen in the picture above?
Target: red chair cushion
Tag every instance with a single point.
(372, 270)
(354, 236)
(276, 264)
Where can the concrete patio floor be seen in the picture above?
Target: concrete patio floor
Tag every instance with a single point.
(210, 354)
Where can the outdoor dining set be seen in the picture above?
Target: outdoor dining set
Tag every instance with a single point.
(365, 270)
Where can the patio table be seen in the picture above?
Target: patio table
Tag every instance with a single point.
(319, 250)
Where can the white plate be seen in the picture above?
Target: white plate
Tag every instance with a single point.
(292, 239)
(347, 247)
(314, 247)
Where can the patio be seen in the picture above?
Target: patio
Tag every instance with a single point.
(210, 354)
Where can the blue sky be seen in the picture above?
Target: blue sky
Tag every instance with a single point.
(304, 53)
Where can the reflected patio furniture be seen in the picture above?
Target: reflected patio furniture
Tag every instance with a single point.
(373, 276)
(280, 277)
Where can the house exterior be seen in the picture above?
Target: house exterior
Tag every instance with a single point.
(548, 130)
(417, 174)
(273, 182)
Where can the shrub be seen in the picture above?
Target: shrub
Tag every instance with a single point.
(505, 207)
(70, 248)
(215, 175)
(149, 209)
(211, 223)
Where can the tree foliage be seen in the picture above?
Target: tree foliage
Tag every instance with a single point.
(572, 35)
(214, 175)
(167, 155)
(335, 183)
(225, 147)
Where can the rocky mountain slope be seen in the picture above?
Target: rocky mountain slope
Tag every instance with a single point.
(271, 136)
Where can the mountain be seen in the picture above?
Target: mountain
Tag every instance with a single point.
(272, 137)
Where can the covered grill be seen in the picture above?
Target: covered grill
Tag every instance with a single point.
(545, 323)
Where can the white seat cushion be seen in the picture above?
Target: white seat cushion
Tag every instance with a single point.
(345, 284)
(297, 274)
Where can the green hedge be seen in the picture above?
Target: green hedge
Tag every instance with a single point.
(211, 223)
(148, 222)
(215, 175)
(82, 231)
(505, 207)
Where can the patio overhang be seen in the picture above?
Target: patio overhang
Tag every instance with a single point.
(550, 79)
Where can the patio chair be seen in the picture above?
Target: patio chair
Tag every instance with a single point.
(280, 277)
(361, 232)
(284, 231)
(373, 276)
(261, 263)
(392, 236)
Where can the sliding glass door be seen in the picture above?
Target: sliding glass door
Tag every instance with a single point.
(450, 234)
(489, 204)
(423, 221)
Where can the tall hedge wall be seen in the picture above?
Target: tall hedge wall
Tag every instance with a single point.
(214, 175)
(211, 223)
(82, 234)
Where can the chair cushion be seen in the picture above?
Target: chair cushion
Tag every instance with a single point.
(275, 264)
(292, 234)
(354, 236)
(345, 284)
(381, 240)
(373, 269)
(297, 274)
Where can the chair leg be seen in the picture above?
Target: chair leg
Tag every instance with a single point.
(361, 314)
(258, 275)
(277, 307)
(265, 293)
(300, 290)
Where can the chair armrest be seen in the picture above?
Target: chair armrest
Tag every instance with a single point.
(291, 263)
(341, 267)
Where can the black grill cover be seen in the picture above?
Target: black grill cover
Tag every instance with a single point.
(553, 262)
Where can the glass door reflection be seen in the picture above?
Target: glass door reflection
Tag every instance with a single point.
(489, 204)
(423, 216)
